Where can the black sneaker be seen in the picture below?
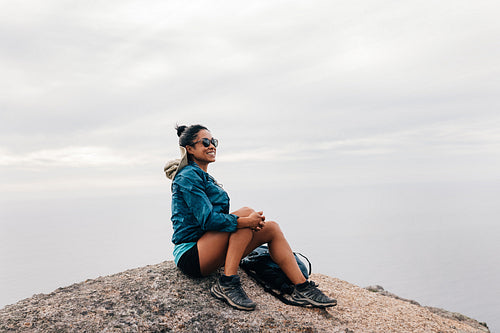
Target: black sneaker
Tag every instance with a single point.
(231, 292)
(308, 293)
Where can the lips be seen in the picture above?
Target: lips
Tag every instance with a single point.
(211, 153)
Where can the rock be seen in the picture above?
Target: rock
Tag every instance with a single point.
(482, 327)
(159, 298)
(380, 290)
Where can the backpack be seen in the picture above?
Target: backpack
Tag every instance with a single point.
(259, 265)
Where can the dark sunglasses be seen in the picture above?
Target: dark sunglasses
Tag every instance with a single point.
(206, 142)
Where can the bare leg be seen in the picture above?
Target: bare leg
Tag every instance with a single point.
(221, 248)
(243, 211)
(217, 249)
(238, 242)
(212, 249)
(279, 249)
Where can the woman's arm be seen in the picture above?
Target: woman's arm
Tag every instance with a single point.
(192, 190)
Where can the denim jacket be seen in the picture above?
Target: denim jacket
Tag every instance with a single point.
(199, 204)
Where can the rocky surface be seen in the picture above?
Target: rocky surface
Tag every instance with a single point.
(443, 313)
(159, 298)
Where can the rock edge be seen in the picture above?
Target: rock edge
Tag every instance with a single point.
(159, 298)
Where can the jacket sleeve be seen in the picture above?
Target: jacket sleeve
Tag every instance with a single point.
(193, 192)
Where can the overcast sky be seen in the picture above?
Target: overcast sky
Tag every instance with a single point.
(320, 108)
(362, 91)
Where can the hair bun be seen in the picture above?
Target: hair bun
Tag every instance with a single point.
(180, 129)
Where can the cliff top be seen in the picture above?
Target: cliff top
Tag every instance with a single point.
(159, 298)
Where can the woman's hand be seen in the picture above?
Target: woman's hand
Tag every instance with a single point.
(253, 221)
(258, 219)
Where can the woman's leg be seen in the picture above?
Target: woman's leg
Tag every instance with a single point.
(243, 211)
(280, 250)
(238, 243)
(221, 248)
(217, 249)
(212, 248)
(305, 292)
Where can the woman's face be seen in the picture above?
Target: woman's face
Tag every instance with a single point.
(200, 154)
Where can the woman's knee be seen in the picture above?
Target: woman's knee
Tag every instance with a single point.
(248, 210)
(273, 227)
(244, 211)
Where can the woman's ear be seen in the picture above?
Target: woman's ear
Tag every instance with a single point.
(189, 149)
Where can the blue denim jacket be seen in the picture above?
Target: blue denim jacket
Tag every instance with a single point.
(199, 204)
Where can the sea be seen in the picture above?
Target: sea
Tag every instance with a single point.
(435, 243)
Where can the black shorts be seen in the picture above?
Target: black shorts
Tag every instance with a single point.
(189, 262)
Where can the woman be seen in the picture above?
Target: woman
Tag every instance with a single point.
(207, 236)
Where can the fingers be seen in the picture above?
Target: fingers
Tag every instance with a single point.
(259, 220)
(259, 226)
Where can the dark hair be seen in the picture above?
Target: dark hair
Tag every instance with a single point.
(187, 135)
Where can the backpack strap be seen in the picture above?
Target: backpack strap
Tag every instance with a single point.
(303, 256)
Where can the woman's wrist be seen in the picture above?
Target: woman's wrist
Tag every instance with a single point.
(242, 222)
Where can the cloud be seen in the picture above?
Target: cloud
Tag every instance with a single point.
(103, 84)
(76, 157)
(457, 138)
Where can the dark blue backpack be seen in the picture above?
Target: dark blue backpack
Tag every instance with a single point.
(259, 265)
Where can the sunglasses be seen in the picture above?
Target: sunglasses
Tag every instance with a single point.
(206, 142)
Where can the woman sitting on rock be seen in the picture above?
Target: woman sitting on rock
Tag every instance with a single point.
(207, 236)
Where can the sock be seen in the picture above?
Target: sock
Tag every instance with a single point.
(302, 286)
(226, 279)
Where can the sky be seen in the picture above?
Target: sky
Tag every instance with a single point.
(310, 95)
(379, 91)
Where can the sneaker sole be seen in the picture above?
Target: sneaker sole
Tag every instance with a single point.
(306, 301)
(219, 295)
